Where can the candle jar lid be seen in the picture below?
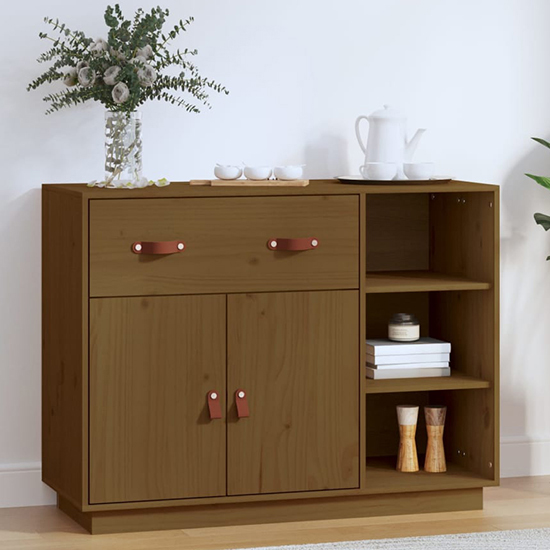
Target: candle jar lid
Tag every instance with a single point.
(403, 319)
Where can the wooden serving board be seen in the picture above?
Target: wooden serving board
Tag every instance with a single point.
(250, 183)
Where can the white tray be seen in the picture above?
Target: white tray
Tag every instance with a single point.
(360, 180)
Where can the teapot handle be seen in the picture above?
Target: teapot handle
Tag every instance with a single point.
(358, 133)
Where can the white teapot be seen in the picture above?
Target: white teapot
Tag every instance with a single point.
(387, 140)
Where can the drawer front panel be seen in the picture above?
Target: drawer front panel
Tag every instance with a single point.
(226, 245)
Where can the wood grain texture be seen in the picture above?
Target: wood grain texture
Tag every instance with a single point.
(383, 477)
(462, 235)
(520, 503)
(457, 381)
(467, 320)
(296, 356)
(419, 281)
(316, 187)
(435, 415)
(251, 183)
(382, 423)
(435, 449)
(464, 241)
(397, 232)
(468, 317)
(226, 245)
(64, 344)
(407, 455)
(362, 339)
(275, 512)
(152, 362)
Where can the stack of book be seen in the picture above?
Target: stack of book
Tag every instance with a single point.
(424, 358)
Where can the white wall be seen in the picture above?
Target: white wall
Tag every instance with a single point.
(300, 71)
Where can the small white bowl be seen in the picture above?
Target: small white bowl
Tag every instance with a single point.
(288, 173)
(378, 171)
(227, 172)
(257, 173)
(419, 170)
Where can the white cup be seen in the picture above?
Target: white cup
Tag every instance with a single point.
(227, 172)
(419, 170)
(288, 173)
(381, 171)
(257, 173)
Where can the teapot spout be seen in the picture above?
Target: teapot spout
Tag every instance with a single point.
(412, 144)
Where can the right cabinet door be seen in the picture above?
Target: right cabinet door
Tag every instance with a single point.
(295, 355)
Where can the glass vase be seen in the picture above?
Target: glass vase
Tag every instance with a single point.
(123, 149)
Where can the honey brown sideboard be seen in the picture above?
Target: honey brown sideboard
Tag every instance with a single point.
(204, 350)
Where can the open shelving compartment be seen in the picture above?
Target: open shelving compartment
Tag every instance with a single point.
(435, 255)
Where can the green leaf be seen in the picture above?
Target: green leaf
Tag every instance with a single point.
(545, 182)
(542, 142)
(542, 219)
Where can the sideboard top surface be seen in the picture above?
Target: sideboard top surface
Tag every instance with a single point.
(316, 187)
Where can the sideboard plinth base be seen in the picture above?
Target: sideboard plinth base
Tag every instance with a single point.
(249, 513)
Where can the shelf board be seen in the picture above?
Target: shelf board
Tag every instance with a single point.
(418, 281)
(457, 381)
(382, 477)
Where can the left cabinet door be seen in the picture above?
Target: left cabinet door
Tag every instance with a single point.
(153, 362)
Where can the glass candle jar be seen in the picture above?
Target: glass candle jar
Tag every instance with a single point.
(403, 327)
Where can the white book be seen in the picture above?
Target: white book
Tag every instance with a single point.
(380, 360)
(439, 365)
(385, 374)
(424, 345)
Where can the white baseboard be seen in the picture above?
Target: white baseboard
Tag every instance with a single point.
(524, 456)
(21, 485)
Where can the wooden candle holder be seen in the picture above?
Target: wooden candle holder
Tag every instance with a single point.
(407, 458)
(435, 452)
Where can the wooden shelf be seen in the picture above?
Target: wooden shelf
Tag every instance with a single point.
(457, 381)
(382, 477)
(418, 281)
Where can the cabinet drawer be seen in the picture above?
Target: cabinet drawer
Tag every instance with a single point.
(226, 245)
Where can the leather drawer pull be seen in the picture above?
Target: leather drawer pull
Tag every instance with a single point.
(214, 407)
(242, 404)
(308, 243)
(158, 247)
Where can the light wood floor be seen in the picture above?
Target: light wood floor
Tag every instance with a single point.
(519, 503)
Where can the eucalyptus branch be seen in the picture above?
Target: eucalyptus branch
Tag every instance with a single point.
(125, 69)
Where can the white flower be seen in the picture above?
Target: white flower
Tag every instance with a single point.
(117, 55)
(162, 182)
(110, 75)
(81, 65)
(141, 183)
(99, 46)
(70, 77)
(139, 60)
(120, 93)
(86, 77)
(146, 52)
(147, 76)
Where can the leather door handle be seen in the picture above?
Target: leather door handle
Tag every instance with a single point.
(308, 243)
(242, 404)
(214, 407)
(158, 247)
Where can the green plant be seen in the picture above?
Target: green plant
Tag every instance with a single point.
(132, 65)
(542, 219)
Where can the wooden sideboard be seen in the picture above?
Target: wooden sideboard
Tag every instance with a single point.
(204, 350)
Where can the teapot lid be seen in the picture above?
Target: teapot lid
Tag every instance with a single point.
(387, 113)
